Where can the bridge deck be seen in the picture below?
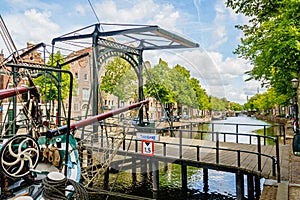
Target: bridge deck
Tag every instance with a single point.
(227, 158)
(230, 157)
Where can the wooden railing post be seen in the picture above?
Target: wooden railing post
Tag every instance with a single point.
(124, 144)
(212, 131)
(198, 153)
(265, 133)
(239, 158)
(180, 144)
(284, 136)
(136, 146)
(217, 148)
(259, 153)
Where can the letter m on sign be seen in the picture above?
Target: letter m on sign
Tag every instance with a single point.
(148, 147)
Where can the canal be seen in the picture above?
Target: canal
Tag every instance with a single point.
(221, 185)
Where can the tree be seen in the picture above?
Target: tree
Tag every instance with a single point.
(266, 101)
(202, 97)
(182, 87)
(119, 79)
(159, 84)
(48, 82)
(236, 107)
(271, 41)
(218, 104)
(171, 85)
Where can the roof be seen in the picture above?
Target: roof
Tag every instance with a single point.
(143, 37)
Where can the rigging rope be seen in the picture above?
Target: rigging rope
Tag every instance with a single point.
(55, 190)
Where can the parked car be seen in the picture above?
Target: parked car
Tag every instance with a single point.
(135, 120)
(186, 117)
(176, 118)
(164, 119)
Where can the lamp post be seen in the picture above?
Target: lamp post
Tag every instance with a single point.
(295, 84)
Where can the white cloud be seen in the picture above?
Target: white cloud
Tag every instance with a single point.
(31, 26)
(108, 11)
(80, 10)
(220, 76)
(167, 17)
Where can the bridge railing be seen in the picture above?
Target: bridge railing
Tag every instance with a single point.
(165, 147)
(235, 134)
(216, 137)
(279, 128)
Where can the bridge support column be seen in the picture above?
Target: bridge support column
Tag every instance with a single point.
(144, 171)
(205, 180)
(239, 180)
(155, 178)
(250, 186)
(257, 187)
(133, 174)
(184, 179)
(106, 177)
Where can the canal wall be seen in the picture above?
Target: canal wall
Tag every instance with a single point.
(273, 119)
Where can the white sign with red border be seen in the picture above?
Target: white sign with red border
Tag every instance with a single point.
(148, 147)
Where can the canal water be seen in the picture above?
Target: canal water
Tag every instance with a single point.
(221, 184)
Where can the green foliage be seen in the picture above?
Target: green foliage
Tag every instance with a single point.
(218, 104)
(119, 79)
(170, 85)
(48, 82)
(266, 101)
(236, 107)
(182, 87)
(271, 41)
(159, 83)
(202, 97)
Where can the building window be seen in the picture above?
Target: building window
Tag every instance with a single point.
(85, 77)
(85, 93)
(76, 107)
(76, 75)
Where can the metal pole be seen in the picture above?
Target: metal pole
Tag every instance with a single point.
(59, 94)
(95, 87)
(140, 85)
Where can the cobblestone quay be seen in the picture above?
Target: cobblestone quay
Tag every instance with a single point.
(289, 188)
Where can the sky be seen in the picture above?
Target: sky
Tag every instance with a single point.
(206, 22)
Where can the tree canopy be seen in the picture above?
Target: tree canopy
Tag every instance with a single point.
(266, 101)
(119, 79)
(271, 40)
(169, 85)
(159, 83)
(49, 80)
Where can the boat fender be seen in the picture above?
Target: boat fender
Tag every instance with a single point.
(45, 153)
(54, 156)
(58, 142)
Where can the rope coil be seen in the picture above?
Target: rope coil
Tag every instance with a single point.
(56, 189)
